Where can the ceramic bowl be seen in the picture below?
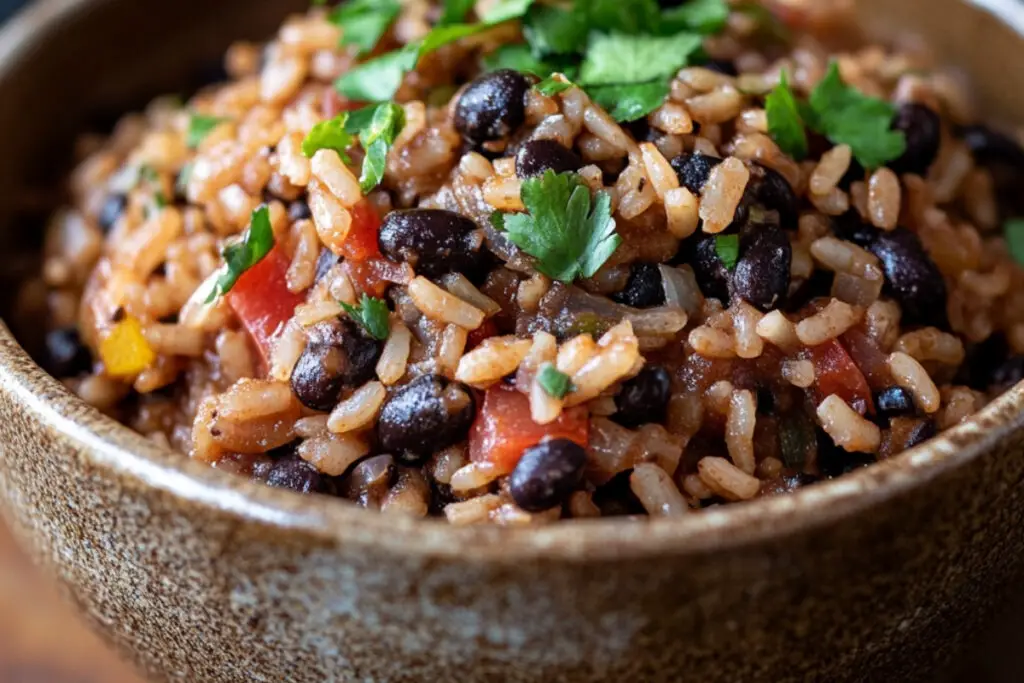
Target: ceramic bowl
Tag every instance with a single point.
(199, 576)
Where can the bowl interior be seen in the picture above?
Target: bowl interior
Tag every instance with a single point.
(71, 65)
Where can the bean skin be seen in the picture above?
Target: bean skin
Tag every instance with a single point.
(762, 274)
(644, 288)
(911, 277)
(492, 107)
(923, 131)
(894, 402)
(428, 414)
(339, 356)
(433, 242)
(694, 169)
(546, 474)
(644, 398)
(538, 156)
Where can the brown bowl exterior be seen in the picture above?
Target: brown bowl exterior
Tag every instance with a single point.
(880, 576)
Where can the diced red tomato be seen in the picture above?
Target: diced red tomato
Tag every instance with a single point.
(477, 336)
(361, 242)
(836, 373)
(261, 299)
(504, 429)
(367, 276)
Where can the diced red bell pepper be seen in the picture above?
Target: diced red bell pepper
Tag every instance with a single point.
(477, 336)
(261, 299)
(836, 373)
(361, 242)
(504, 429)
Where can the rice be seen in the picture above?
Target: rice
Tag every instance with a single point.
(492, 360)
(884, 199)
(656, 491)
(724, 479)
(912, 376)
(829, 323)
(722, 193)
(846, 427)
(438, 304)
(359, 410)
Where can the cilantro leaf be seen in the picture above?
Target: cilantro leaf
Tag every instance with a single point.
(565, 231)
(728, 249)
(455, 11)
(785, 124)
(364, 22)
(630, 102)
(553, 85)
(184, 175)
(388, 121)
(556, 384)
(199, 126)
(330, 134)
(633, 17)
(372, 314)
(241, 256)
(1013, 232)
(554, 31)
(703, 16)
(360, 119)
(847, 116)
(617, 58)
(378, 79)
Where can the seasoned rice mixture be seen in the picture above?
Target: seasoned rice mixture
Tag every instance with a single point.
(513, 261)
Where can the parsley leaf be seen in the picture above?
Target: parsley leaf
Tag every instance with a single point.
(847, 116)
(703, 16)
(785, 124)
(241, 256)
(199, 126)
(504, 10)
(618, 58)
(372, 313)
(359, 120)
(455, 11)
(330, 134)
(388, 121)
(556, 384)
(728, 249)
(1013, 232)
(364, 22)
(565, 231)
(629, 102)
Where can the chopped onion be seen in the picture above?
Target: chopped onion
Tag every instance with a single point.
(681, 289)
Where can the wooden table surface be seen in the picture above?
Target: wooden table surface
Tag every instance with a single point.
(42, 641)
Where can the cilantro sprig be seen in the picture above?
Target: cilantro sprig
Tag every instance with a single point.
(554, 383)
(1013, 233)
(569, 234)
(330, 134)
(727, 247)
(199, 126)
(246, 253)
(377, 127)
(372, 314)
(839, 112)
(364, 22)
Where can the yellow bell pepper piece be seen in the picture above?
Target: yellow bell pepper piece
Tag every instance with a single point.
(125, 351)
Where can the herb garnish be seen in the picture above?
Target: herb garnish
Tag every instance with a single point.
(372, 314)
(364, 22)
(842, 114)
(784, 122)
(243, 255)
(199, 126)
(1013, 233)
(567, 233)
(556, 384)
(330, 134)
(377, 138)
(728, 249)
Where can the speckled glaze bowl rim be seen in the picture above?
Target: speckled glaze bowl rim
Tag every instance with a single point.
(117, 451)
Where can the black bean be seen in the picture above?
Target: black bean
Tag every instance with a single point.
(433, 241)
(852, 228)
(817, 286)
(761, 276)
(712, 277)
(721, 66)
(299, 210)
(644, 399)
(296, 475)
(616, 497)
(923, 130)
(324, 262)
(911, 277)
(768, 189)
(644, 288)
(66, 355)
(834, 461)
(924, 430)
(546, 474)
(1009, 373)
(855, 172)
(991, 147)
(693, 169)
(492, 107)
(800, 479)
(428, 414)
(110, 212)
(641, 130)
(537, 156)
(338, 356)
(983, 361)
(894, 402)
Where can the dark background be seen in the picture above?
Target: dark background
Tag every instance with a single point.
(41, 642)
